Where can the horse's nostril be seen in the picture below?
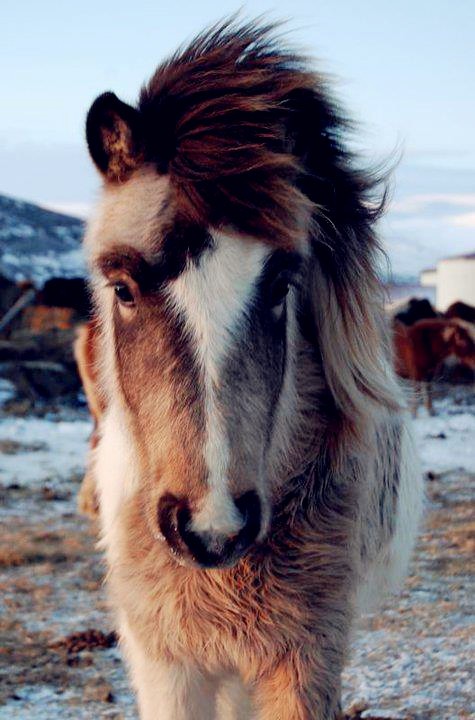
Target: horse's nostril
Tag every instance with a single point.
(167, 516)
(207, 548)
(249, 506)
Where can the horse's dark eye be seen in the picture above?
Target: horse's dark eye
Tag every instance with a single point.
(278, 293)
(124, 294)
(279, 290)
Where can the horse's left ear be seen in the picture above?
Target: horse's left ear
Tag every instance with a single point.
(114, 137)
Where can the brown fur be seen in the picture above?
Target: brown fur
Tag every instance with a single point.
(86, 356)
(85, 353)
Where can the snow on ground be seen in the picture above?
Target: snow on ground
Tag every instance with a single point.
(446, 442)
(7, 391)
(412, 660)
(43, 450)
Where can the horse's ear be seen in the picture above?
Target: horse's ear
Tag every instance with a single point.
(114, 137)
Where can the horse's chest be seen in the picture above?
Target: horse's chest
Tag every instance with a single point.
(221, 618)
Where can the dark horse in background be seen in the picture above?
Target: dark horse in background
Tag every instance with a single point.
(256, 477)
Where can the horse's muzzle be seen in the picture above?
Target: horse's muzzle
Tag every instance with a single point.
(208, 550)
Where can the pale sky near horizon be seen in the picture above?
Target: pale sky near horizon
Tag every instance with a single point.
(405, 70)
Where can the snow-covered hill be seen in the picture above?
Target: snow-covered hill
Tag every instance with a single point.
(36, 243)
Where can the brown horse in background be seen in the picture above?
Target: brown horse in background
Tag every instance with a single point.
(421, 348)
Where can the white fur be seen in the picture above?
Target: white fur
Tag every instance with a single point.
(116, 472)
(409, 509)
(388, 571)
(213, 296)
(168, 691)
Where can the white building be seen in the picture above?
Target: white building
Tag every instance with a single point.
(453, 278)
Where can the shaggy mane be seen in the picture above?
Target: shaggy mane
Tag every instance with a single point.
(222, 117)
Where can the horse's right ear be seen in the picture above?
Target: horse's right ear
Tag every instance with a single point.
(114, 137)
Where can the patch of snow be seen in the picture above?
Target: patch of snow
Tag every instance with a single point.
(35, 701)
(64, 454)
(7, 391)
(382, 714)
(447, 441)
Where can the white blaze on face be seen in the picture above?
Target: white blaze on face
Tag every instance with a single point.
(212, 297)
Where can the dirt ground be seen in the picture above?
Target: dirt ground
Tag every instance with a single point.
(58, 657)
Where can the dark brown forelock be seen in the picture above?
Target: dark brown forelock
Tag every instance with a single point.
(214, 117)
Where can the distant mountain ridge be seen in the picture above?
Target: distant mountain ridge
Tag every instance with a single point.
(36, 243)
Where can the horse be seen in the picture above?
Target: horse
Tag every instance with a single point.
(257, 481)
(421, 349)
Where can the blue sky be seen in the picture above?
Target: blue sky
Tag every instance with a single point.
(405, 70)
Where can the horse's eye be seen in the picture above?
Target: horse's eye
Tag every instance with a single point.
(124, 294)
(279, 290)
(278, 293)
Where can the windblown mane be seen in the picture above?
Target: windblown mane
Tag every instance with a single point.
(240, 124)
